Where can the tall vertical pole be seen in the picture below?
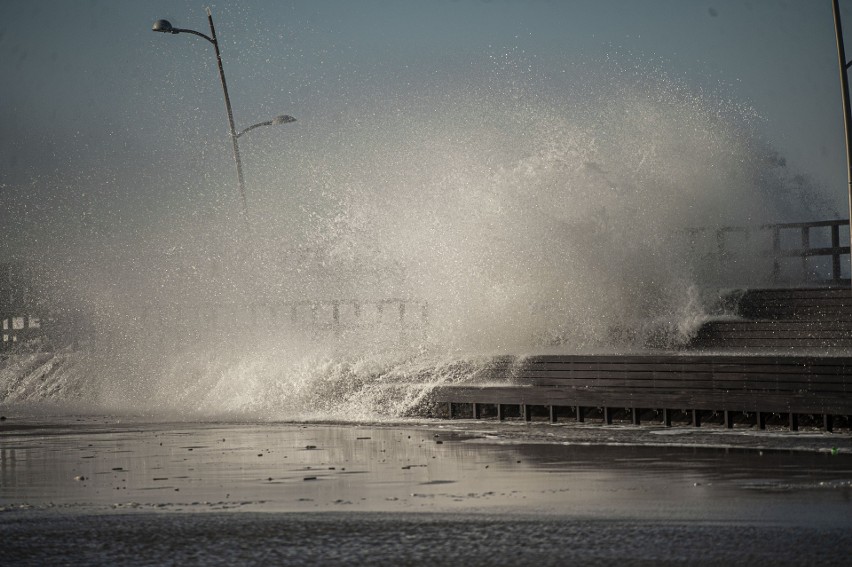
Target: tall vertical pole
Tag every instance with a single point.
(847, 110)
(240, 180)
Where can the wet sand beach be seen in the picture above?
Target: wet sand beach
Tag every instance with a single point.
(152, 493)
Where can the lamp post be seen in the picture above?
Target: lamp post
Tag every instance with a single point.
(847, 106)
(164, 26)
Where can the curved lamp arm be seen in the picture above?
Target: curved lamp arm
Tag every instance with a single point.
(165, 26)
(282, 119)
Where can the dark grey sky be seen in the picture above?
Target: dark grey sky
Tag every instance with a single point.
(105, 124)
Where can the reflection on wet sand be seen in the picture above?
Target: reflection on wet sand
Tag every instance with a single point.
(98, 465)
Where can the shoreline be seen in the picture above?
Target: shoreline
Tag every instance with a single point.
(709, 436)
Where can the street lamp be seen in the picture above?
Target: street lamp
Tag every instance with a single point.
(847, 104)
(164, 26)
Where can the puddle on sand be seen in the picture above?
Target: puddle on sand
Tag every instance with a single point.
(270, 468)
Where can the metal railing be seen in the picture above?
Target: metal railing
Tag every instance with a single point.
(805, 248)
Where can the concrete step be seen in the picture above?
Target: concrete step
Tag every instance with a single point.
(781, 319)
(810, 304)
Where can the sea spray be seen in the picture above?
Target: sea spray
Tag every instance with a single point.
(415, 235)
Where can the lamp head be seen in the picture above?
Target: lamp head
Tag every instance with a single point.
(283, 119)
(163, 26)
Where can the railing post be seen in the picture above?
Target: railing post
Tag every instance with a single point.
(776, 253)
(424, 318)
(721, 260)
(835, 253)
(806, 245)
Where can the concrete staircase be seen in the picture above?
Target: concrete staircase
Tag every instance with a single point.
(807, 319)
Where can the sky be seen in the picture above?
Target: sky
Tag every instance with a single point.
(106, 127)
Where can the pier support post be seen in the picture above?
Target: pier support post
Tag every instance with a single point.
(552, 411)
(526, 412)
(607, 415)
(580, 416)
(696, 418)
(634, 415)
(794, 422)
(761, 420)
(450, 410)
(729, 419)
(828, 422)
(667, 417)
(500, 416)
(477, 410)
